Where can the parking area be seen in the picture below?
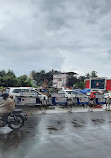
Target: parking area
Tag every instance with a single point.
(63, 134)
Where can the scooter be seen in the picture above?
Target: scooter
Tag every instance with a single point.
(14, 120)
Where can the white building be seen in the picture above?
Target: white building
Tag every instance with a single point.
(60, 80)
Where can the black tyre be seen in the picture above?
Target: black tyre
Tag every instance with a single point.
(16, 122)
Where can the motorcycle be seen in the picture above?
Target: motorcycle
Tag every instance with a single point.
(14, 120)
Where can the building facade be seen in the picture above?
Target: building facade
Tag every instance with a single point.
(60, 80)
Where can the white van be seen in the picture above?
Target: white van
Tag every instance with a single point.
(18, 91)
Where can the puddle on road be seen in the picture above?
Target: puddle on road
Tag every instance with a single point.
(59, 135)
(5, 130)
(18, 141)
(78, 123)
(52, 128)
(97, 121)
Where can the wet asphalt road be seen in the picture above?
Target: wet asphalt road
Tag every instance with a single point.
(69, 135)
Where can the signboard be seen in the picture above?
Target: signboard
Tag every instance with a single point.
(101, 101)
(82, 100)
(25, 100)
(58, 95)
(61, 100)
(98, 84)
(28, 100)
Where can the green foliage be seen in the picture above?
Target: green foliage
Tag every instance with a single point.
(87, 76)
(93, 74)
(71, 81)
(2, 73)
(24, 81)
(9, 79)
(42, 78)
(78, 83)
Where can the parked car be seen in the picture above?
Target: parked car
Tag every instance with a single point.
(70, 93)
(107, 95)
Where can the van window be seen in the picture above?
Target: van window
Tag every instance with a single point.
(32, 91)
(16, 91)
(24, 90)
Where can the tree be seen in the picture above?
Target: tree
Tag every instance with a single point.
(93, 74)
(42, 76)
(81, 83)
(10, 73)
(10, 81)
(87, 76)
(82, 78)
(24, 81)
(2, 73)
(71, 81)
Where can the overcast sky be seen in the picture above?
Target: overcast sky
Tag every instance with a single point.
(65, 35)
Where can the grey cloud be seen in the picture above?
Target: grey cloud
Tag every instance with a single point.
(67, 35)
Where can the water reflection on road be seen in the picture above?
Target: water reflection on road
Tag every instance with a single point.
(71, 135)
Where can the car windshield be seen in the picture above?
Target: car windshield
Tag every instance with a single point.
(73, 92)
(79, 92)
(70, 92)
(61, 92)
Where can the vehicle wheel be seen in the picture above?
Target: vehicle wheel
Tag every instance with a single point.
(17, 122)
